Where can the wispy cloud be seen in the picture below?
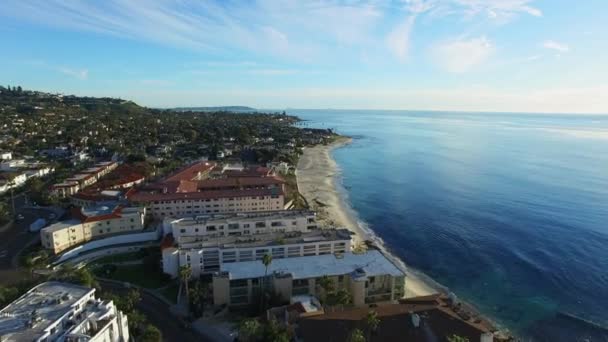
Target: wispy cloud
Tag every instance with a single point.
(555, 46)
(296, 30)
(81, 74)
(398, 40)
(461, 55)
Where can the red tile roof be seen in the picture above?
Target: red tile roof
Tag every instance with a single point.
(190, 172)
(438, 320)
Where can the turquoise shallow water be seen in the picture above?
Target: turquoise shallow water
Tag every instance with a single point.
(510, 211)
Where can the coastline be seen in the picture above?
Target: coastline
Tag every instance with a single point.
(317, 175)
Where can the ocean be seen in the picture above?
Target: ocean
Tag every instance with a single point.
(509, 211)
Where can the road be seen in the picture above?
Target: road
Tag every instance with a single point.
(16, 237)
(159, 315)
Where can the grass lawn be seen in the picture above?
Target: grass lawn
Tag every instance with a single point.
(138, 275)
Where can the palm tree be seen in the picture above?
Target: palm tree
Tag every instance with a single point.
(266, 260)
(356, 336)
(372, 322)
(185, 272)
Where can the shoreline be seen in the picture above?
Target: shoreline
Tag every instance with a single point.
(317, 176)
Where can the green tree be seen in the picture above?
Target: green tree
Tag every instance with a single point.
(371, 321)
(457, 338)
(356, 336)
(340, 297)
(250, 330)
(197, 298)
(274, 332)
(328, 286)
(150, 334)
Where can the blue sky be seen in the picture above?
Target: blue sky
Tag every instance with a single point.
(482, 55)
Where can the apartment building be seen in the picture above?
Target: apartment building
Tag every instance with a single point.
(369, 278)
(210, 256)
(91, 223)
(65, 189)
(81, 180)
(236, 224)
(54, 311)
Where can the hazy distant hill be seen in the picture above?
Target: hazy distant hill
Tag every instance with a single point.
(215, 109)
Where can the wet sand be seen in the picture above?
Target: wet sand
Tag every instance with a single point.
(318, 177)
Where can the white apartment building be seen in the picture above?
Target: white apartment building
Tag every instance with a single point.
(210, 256)
(236, 224)
(369, 278)
(89, 224)
(54, 311)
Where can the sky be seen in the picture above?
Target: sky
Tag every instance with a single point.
(461, 55)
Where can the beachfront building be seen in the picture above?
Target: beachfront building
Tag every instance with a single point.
(369, 278)
(212, 255)
(54, 311)
(236, 224)
(91, 223)
(428, 318)
(190, 192)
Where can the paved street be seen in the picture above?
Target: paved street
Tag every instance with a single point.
(14, 238)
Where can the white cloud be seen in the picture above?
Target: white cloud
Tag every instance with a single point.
(81, 74)
(462, 55)
(398, 40)
(492, 9)
(555, 46)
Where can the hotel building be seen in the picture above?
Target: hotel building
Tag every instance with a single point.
(369, 278)
(89, 224)
(55, 311)
(212, 255)
(190, 192)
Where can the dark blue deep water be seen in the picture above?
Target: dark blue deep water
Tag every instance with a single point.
(510, 211)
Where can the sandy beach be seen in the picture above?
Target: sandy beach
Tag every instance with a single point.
(317, 175)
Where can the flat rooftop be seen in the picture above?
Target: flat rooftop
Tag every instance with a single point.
(372, 263)
(269, 239)
(97, 211)
(29, 316)
(225, 218)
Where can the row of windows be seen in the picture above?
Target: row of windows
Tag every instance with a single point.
(216, 199)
